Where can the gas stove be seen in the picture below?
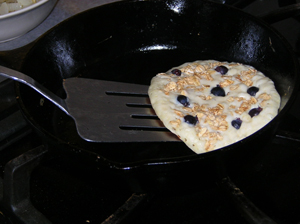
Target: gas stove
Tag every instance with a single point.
(37, 185)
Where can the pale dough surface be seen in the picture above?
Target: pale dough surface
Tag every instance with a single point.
(214, 114)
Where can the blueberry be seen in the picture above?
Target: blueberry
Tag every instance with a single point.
(237, 123)
(255, 111)
(183, 100)
(222, 69)
(176, 72)
(218, 91)
(252, 90)
(191, 119)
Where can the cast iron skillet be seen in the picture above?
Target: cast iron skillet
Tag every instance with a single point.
(131, 41)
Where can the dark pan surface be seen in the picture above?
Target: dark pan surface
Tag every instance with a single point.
(131, 41)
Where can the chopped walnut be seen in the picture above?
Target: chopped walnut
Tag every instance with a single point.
(245, 77)
(170, 86)
(263, 103)
(210, 144)
(201, 108)
(225, 83)
(247, 74)
(205, 75)
(239, 99)
(183, 92)
(181, 83)
(200, 69)
(223, 128)
(217, 110)
(230, 99)
(210, 117)
(248, 82)
(206, 97)
(199, 115)
(246, 105)
(189, 69)
(234, 87)
(264, 96)
(193, 80)
(201, 131)
(175, 123)
(243, 107)
(190, 110)
(252, 100)
(178, 113)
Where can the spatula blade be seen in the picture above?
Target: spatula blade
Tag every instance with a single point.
(106, 111)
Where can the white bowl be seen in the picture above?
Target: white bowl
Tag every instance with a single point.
(18, 23)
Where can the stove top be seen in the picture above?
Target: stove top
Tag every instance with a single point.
(40, 187)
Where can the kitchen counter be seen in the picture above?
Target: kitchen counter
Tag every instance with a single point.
(63, 10)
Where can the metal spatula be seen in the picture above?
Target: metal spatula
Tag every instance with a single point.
(104, 111)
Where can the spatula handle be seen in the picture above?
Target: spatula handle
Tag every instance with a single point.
(25, 79)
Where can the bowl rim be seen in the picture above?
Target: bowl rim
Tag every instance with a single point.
(26, 9)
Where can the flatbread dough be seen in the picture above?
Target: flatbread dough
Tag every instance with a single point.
(210, 104)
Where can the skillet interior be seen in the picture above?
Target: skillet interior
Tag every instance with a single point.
(131, 41)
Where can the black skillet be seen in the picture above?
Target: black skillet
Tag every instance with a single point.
(131, 41)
